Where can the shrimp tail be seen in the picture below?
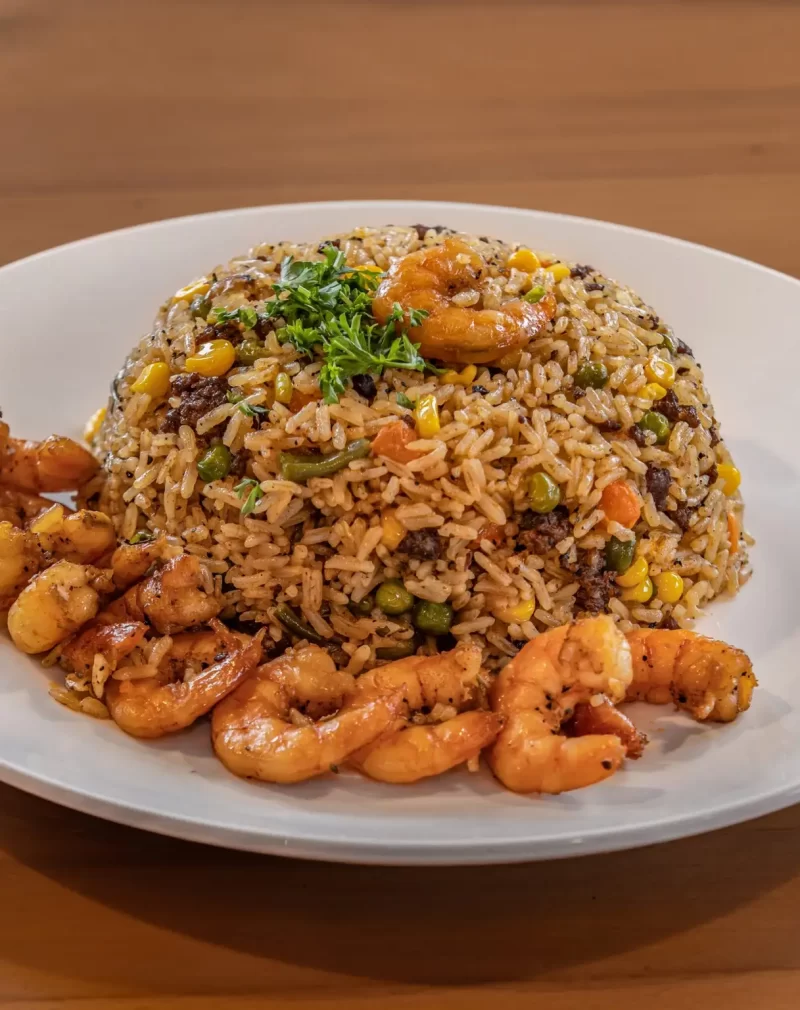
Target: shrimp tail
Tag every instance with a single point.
(591, 718)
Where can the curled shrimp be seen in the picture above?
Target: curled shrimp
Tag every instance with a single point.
(599, 717)
(56, 464)
(540, 688)
(20, 560)
(20, 507)
(155, 706)
(83, 536)
(709, 679)
(429, 278)
(259, 731)
(113, 641)
(447, 683)
(54, 604)
(176, 596)
(131, 562)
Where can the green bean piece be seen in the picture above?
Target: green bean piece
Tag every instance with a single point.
(215, 463)
(620, 554)
(302, 468)
(399, 651)
(297, 626)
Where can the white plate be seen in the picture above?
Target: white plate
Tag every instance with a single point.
(71, 314)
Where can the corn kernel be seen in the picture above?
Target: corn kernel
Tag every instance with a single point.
(634, 575)
(153, 380)
(393, 531)
(462, 378)
(49, 520)
(525, 260)
(640, 593)
(652, 391)
(730, 477)
(669, 587)
(198, 287)
(283, 388)
(520, 612)
(559, 271)
(427, 414)
(660, 371)
(212, 359)
(93, 425)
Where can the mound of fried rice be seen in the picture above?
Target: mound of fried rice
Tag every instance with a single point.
(323, 546)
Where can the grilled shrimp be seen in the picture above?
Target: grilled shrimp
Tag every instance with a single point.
(592, 719)
(447, 682)
(155, 706)
(113, 641)
(254, 734)
(83, 536)
(131, 562)
(56, 464)
(540, 688)
(52, 606)
(428, 279)
(20, 507)
(174, 597)
(709, 679)
(20, 560)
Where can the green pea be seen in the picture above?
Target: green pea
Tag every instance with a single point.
(215, 464)
(200, 307)
(620, 554)
(657, 423)
(433, 618)
(363, 607)
(249, 351)
(591, 373)
(543, 493)
(393, 597)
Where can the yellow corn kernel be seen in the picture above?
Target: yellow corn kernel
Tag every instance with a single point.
(214, 358)
(371, 267)
(48, 521)
(427, 415)
(669, 587)
(634, 575)
(153, 380)
(660, 371)
(730, 477)
(283, 387)
(652, 391)
(559, 271)
(198, 287)
(522, 611)
(525, 260)
(462, 378)
(393, 531)
(93, 425)
(640, 593)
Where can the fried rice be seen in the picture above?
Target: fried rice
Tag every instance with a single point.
(508, 573)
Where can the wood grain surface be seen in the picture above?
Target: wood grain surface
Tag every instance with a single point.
(680, 117)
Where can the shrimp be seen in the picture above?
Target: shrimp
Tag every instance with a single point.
(429, 278)
(540, 688)
(252, 729)
(174, 597)
(599, 717)
(56, 464)
(20, 507)
(447, 682)
(53, 605)
(155, 706)
(83, 536)
(709, 679)
(113, 641)
(20, 560)
(131, 562)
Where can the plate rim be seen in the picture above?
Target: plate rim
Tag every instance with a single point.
(422, 851)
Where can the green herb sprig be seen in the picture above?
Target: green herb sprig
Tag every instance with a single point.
(251, 489)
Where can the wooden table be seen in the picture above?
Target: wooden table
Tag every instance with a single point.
(680, 117)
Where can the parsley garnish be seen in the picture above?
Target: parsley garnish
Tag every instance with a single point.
(251, 409)
(250, 488)
(246, 315)
(327, 307)
(142, 537)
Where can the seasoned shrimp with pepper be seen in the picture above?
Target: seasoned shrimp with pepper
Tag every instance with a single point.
(444, 688)
(428, 281)
(539, 690)
(265, 729)
(53, 605)
(56, 464)
(707, 678)
(154, 706)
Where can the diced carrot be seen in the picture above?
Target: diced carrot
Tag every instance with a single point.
(734, 532)
(621, 504)
(392, 441)
(492, 532)
(300, 400)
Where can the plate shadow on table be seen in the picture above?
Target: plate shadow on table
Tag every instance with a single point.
(466, 925)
